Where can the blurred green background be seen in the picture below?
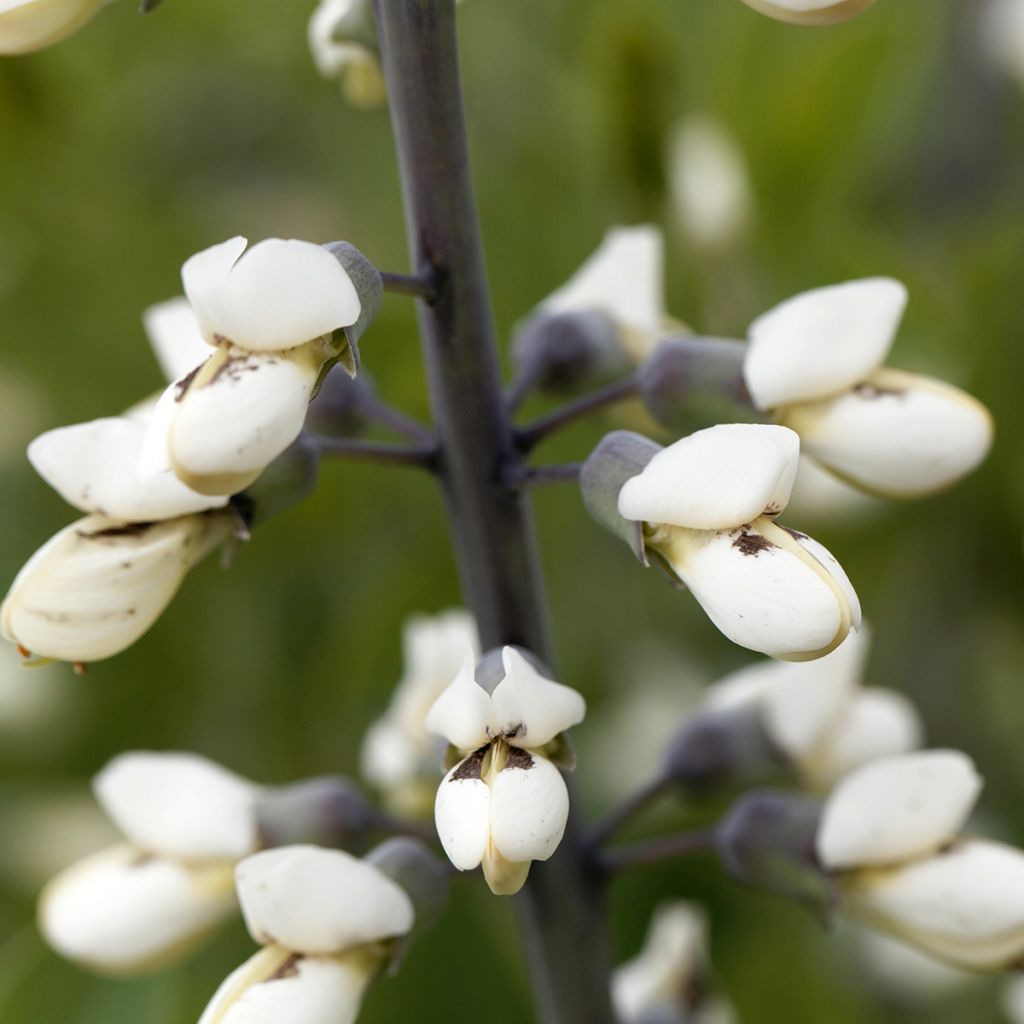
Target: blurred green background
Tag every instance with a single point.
(890, 145)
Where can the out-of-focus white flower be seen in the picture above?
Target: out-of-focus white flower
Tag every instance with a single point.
(904, 972)
(810, 12)
(505, 804)
(665, 981)
(1002, 35)
(889, 833)
(323, 917)
(819, 716)
(708, 181)
(623, 280)
(821, 495)
(709, 504)
(340, 32)
(399, 755)
(815, 363)
(1013, 1000)
(273, 315)
(136, 906)
(27, 25)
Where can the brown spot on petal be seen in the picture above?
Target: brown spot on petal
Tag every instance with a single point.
(795, 534)
(80, 668)
(870, 391)
(470, 767)
(128, 530)
(232, 369)
(518, 758)
(751, 544)
(288, 969)
(141, 859)
(24, 651)
(186, 382)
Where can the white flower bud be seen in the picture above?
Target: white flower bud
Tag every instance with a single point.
(124, 910)
(896, 434)
(810, 12)
(278, 985)
(338, 51)
(318, 901)
(897, 808)
(180, 805)
(98, 585)
(175, 338)
(964, 904)
(27, 25)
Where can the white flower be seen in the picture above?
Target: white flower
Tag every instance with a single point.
(708, 503)
(810, 12)
(1013, 1000)
(137, 906)
(272, 315)
(27, 25)
(323, 917)
(889, 833)
(98, 585)
(505, 804)
(815, 362)
(817, 713)
(1002, 36)
(624, 280)
(399, 755)
(708, 181)
(339, 31)
(664, 981)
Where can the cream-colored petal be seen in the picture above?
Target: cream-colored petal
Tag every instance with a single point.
(529, 807)
(896, 808)
(124, 911)
(319, 901)
(27, 25)
(95, 588)
(94, 466)
(529, 709)
(810, 12)
(964, 904)
(203, 274)
(463, 714)
(896, 434)
(180, 805)
(821, 342)
(462, 813)
(715, 479)
(175, 338)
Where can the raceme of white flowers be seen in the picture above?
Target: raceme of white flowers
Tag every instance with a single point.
(890, 833)
(708, 504)
(815, 363)
(27, 25)
(504, 804)
(338, 34)
(810, 12)
(324, 919)
(819, 715)
(140, 904)
(399, 755)
(272, 313)
(665, 981)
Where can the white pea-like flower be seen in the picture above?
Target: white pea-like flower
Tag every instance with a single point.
(818, 714)
(399, 755)
(27, 25)
(505, 803)
(324, 918)
(890, 834)
(708, 504)
(271, 313)
(810, 12)
(339, 39)
(815, 363)
(139, 905)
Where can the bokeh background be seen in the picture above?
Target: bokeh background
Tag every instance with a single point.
(891, 145)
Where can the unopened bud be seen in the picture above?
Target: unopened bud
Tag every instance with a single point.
(343, 405)
(289, 479)
(327, 811)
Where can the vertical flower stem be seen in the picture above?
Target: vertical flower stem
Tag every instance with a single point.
(562, 906)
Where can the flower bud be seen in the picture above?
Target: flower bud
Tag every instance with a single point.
(343, 41)
(810, 12)
(343, 405)
(327, 811)
(290, 478)
(27, 25)
(98, 585)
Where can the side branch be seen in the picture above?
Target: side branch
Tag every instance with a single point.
(655, 851)
(422, 456)
(418, 286)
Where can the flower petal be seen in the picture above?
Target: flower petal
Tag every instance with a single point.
(529, 807)
(279, 985)
(823, 341)
(964, 905)
(624, 279)
(896, 434)
(896, 808)
(462, 813)
(715, 479)
(529, 709)
(27, 25)
(463, 714)
(94, 466)
(179, 805)
(124, 911)
(238, 414)
(175, 337)
(94, 588)
(319, 901)
(280, 294)
(810, 12)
